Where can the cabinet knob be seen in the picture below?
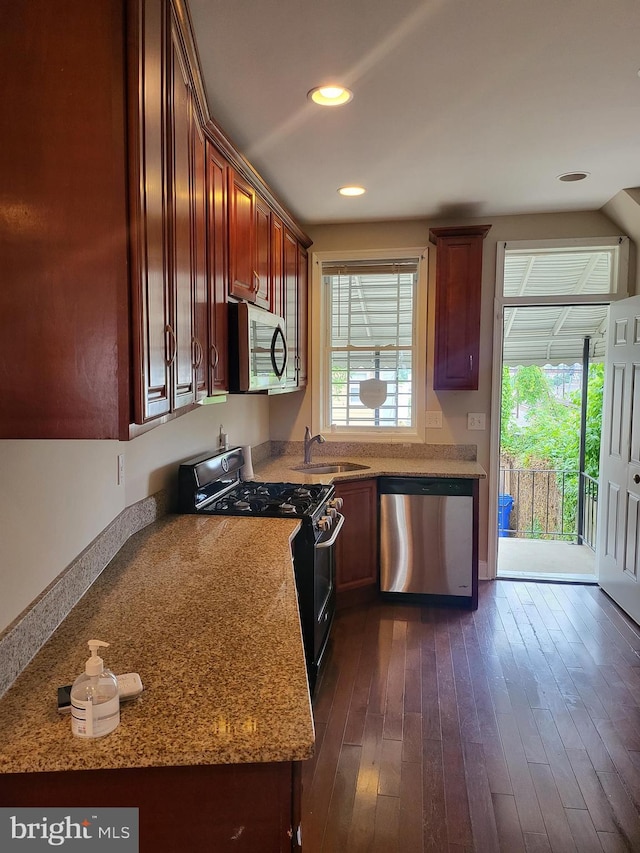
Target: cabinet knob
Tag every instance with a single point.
(636, 478)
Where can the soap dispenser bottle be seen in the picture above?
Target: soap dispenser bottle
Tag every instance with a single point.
(95, 701)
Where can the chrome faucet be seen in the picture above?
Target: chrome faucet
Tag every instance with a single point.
(308, 442)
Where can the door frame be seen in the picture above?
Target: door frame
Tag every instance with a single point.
(620, 291)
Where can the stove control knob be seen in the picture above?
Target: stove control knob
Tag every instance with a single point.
(325, 522)
(332, 512)
(336, 503)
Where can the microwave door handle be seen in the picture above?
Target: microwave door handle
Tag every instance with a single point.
(278, 371)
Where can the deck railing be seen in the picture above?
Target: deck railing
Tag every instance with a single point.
(589, 491)
(545, 504)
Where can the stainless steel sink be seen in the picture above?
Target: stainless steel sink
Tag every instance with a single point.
(330, 468)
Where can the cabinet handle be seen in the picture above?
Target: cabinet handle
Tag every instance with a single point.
(170, 345)
(216, 358)
(470, 364)
(196, 353)
(256, 283)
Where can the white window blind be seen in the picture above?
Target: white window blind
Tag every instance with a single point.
(370, 306)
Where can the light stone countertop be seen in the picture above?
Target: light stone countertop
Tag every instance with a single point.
(205, 609)
(282, 468)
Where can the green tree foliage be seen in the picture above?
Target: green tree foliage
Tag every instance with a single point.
(531, 385)
(552, 428)
(507, 403)
(594, 420)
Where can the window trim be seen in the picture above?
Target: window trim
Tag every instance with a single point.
(318, 337)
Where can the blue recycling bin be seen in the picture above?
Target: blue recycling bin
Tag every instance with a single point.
(505, 505)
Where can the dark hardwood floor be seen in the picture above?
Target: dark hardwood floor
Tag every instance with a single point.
(515, 728)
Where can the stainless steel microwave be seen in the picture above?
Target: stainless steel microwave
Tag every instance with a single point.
(257, 348)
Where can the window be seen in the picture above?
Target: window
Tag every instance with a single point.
(370, 358)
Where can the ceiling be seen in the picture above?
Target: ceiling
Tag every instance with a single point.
(461, 107)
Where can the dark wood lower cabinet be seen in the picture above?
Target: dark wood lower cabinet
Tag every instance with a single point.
(242, 808)
(357, 545)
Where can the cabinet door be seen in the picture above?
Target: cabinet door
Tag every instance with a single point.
(303, 301)
(290, 260)
(242, 243)
(150, 294)
(200, 279)
(217, 237)
(458, 296)
(263, 254)
(277, 265)
(357, 545)
(181, 182)
(64, 256)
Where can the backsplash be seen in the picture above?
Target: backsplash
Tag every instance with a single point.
(24, 637)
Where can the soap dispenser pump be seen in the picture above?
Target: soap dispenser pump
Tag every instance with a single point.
(95, 701)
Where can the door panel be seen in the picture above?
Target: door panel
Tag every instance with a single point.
(635, 423)
(618, 553)
(633, 528)
(181, 246)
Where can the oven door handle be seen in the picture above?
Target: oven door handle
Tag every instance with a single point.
(334, 536)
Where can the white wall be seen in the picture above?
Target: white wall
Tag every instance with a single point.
(289, 415)
(624, 210)
(57, 496)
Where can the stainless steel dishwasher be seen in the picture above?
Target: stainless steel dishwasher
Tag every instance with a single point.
(427, 534)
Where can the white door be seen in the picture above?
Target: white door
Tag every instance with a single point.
(618, 554)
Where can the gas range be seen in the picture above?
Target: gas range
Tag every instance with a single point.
(212, 485)
(272, 499)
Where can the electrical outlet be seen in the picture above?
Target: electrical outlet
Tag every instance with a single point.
(121, 469)
(476, 420)
(433, 420)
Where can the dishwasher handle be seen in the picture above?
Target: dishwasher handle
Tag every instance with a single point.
(448, 486)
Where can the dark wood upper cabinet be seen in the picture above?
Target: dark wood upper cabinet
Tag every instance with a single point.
(263, 294)
(458, 299)
(217, 252)
(64, 332)
(249, 243)
(201, 336)
(242, 238)
(277, 265)
(124, 232)
(151, 305)
(181, 191)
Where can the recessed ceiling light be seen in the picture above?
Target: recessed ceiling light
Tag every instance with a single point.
(330, 96)
(569, 177)
(352, 191)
